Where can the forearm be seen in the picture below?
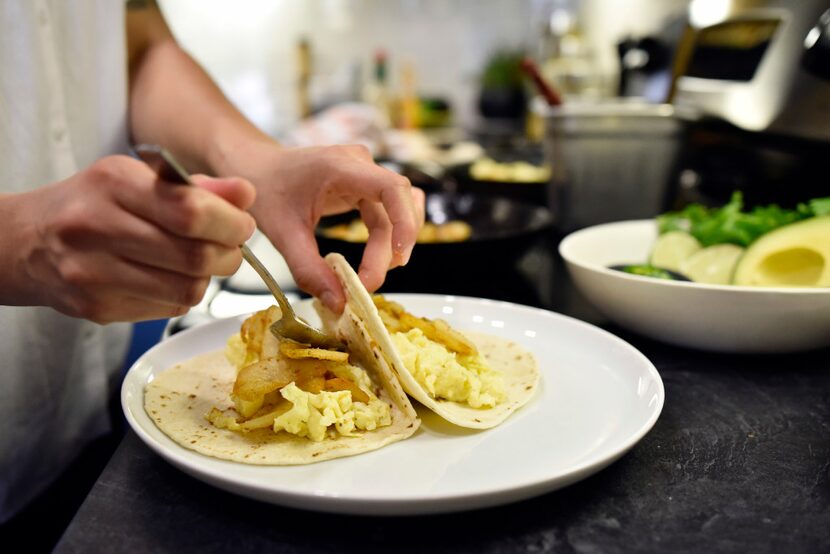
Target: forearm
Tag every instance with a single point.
(173, 102)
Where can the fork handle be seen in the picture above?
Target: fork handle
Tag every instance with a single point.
(163, 163)
(269, 281)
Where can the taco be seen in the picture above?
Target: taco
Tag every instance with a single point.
(473, 380)
(271, 401)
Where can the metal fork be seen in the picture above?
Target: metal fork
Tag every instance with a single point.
(290, 325)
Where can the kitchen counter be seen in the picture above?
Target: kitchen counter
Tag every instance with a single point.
(739, 461)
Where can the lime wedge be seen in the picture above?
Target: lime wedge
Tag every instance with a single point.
(713, 265)
(672, 248)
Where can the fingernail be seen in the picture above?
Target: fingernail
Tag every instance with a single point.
(404, 255)
(400, 254)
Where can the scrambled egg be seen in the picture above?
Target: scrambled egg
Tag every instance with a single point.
(311, 415)
(446, 375)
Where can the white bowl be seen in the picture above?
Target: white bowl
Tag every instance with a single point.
(720, 318)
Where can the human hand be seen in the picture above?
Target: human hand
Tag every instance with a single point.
(297, 186)
(112, 243)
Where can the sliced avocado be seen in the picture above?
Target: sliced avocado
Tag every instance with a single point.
(795, 255)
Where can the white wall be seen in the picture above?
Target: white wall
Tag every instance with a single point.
(249, 46)
(607, 22)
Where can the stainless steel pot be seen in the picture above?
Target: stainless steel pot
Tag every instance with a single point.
(611, 160)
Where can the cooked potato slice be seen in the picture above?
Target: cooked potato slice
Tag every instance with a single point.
(439, 331)
(338, 383)
(312, 367)
(298, 351)
(251, 331)
(312, 384)
(247, 408)
(256, 334)
(396, 319)
(222, 420)
(265, 420)
(385, 305)
(228, 419)
(311, 373)
(258, 379)
(390, 321)
(389, 313)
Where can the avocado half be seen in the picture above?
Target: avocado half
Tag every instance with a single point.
(795, 255)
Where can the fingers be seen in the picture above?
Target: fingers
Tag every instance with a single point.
(190, 212)
(134, 239)
(197, 213)
(150, 246)
(377, 256)
(239, 192)
(117, 244)
(120, 308)
(358, 182)
(298, 246)
(99, 272)
(97, 282)
(298, 186)
(358, 151)
(395, 193)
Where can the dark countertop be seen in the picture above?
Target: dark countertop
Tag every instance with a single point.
(739, 461)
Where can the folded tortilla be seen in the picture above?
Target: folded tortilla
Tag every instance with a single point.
(179, 398)
(517, 365)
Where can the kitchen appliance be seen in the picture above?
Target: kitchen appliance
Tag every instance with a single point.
(759, 74)
(611, 160)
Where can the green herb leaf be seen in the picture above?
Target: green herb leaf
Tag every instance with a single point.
(730, 224)
(820, 206)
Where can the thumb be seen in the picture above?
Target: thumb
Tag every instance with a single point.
(236, 190)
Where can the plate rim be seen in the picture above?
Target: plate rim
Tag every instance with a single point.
(419, 504)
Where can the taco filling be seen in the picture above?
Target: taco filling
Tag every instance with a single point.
(270, 401)
(291, 387)
(443, 361)
(471, 379)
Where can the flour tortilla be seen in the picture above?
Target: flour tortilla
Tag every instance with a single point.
(517, 365)
(179, 398)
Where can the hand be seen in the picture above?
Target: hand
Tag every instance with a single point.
(112, 243)
(296, 187)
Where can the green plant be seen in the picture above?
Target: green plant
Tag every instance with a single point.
(503, 70)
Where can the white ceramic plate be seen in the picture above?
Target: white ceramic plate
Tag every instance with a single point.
(722, 318)
(598, 397)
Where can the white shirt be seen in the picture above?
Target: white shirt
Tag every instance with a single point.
(63, 104)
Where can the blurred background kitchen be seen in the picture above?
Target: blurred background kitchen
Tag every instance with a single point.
(527, 119)
(252, 47)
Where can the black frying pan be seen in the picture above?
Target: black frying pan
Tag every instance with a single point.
(534, 192)
(502, 231)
